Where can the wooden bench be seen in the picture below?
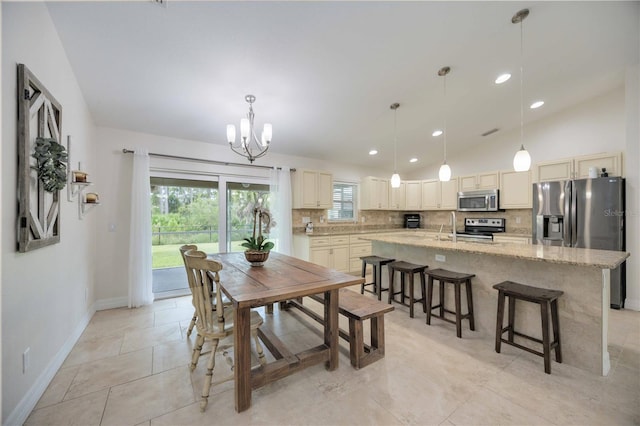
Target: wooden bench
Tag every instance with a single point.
(357, 308)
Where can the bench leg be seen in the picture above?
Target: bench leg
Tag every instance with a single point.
(429, 298)
(411, 298)
(269, 308)
(472, 324)
(499, 320)
(356, 342)
(556, 329)
(424, 292)
(546, 344)
(391, 284)
(458, 310)
(512, 317)
(377, 334)
(441, 298)
(364, 275)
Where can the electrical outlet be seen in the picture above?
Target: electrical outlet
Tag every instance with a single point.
(305, 220)
(363, 219)
(518, 220)
(441, 258)
(26, 360)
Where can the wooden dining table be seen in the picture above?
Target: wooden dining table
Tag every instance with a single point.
(281, 278)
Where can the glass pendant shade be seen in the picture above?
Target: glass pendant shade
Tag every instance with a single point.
(245, 127)
(522, 160)
(395, 180)
(231, 133)
(267, 132)
(444, 174)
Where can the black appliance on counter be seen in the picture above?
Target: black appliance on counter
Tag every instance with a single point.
(412, 220)
(481, 229)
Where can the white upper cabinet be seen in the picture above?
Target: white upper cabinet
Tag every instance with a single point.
(397, 197)
(489, 180)
(515, 190)
(374, 193)
(413, 198)
(438, 195)
(312, 189)
(578, 167)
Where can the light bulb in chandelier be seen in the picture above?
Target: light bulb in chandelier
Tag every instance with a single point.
(522, 160)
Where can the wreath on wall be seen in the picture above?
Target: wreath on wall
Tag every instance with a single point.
(52, 164)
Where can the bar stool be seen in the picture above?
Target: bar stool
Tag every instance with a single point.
(546, 298)
(377, 263)
(457, 279)
(406, 269)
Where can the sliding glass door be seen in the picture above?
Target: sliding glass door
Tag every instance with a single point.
(183, 211)
(216, 214)
(242, 198)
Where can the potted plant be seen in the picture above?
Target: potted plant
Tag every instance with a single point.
(257, 246)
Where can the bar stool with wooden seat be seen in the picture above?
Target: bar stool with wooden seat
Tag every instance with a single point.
(406, 269)
(548, 301)
(457, 279)
(377, 263)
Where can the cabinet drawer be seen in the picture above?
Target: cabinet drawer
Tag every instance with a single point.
(360, 250)
(319, 241)
(340, 240)
(357, 239)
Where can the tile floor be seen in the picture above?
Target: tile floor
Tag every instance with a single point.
(130, 367)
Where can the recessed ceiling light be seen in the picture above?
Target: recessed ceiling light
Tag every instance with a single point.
(436, 133)
(373, 152)
(536, 104)
(502, 78)
(413, 160)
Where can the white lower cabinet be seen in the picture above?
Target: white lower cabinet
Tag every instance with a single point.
(358, 248)
(328, 251)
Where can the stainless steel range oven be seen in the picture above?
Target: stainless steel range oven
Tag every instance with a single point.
(480, 229)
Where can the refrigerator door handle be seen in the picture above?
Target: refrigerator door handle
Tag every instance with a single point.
(572, 239)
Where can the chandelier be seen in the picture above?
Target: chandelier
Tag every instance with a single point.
(249, 146)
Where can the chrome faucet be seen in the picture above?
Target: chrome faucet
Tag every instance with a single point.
(453, 222)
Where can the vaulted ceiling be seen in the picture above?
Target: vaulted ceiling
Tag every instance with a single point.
(325, 73)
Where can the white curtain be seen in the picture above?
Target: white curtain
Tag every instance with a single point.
(280, 187)
(140, 281)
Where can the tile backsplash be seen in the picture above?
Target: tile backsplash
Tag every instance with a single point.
(518, 221)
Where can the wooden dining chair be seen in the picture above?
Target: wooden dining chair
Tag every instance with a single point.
(183, 249)
(203, 274)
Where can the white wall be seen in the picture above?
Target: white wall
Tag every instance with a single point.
(43, 291)
(113, 184)
(596, 125)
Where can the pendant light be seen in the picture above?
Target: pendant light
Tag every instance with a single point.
(522, 159)
(395, 178)
(444, 174)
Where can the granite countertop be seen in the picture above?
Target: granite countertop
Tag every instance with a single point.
(567, 255)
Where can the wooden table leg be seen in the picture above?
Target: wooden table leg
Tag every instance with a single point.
(242, 357)
(331, 327)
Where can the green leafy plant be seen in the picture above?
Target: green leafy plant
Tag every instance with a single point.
(52, 163)
(257, 244)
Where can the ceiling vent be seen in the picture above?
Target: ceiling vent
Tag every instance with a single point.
(490, 132)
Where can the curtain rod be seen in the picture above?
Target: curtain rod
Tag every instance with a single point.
(201, 160)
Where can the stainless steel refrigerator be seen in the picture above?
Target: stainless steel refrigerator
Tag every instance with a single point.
(584, 213)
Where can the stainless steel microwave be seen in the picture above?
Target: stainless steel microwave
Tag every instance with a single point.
(479, 201)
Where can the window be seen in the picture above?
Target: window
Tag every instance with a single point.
(344, 202)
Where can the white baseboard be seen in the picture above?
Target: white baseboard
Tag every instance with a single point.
(19, 415)
(632, 304)
(114, 302)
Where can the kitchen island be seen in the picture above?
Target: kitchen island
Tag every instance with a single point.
(582, 274)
